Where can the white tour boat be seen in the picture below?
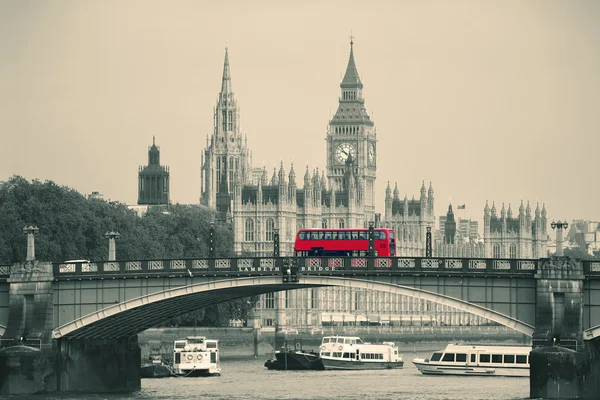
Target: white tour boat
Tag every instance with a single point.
(196, 356)
(486, 360)
(350, 352)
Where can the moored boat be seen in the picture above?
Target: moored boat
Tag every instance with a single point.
(350, 352)
(155, 368)
(482, 360)
(295, 358)
(196, 356)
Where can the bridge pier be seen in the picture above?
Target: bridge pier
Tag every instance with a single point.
(98, 365)
(560, 363)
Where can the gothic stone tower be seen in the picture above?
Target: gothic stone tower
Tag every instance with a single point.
(226, 153)
(153, 180)
(352, 133)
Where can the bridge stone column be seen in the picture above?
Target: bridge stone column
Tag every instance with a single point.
(98, 365)
(112, 246)
(27, 355)
(559, 362)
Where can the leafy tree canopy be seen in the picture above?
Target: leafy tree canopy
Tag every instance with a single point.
(73, 227)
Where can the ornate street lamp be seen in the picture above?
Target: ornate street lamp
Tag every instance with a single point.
(559, 226)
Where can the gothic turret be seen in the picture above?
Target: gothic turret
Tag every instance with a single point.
(153, 179)
(396, 192)
(494, 209)
(509, 213)
(449, 226)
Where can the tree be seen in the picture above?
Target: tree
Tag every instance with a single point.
(73, 227)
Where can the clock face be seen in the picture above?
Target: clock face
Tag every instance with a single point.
(371, 154)
(343, 151)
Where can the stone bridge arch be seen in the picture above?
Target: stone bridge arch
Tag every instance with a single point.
(136, 315)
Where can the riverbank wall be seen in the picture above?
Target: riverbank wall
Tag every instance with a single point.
(246, 342)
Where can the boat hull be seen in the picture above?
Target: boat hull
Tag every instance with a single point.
(427, 368)
(295, 360)
(360, 365)
(155, 371)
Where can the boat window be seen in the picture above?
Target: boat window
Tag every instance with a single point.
(496, 358)
(522, 359)
(348, 355)
(461, 357)
(509, 359)
(340, 340)
(359, 341)
(211, 345)
(325, 340)
(448, 357)
(179, 345)
(473, 358)
(436, 356)
(337, 354)
(484, 358)
(325, 354)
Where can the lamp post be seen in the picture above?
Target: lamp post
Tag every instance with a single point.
(428, 242)
(559, 226)
(31, 231)
(211, 240)
(112, 247)
(371, 240)
(276, 242)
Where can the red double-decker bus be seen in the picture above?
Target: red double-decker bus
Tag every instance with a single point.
(343, 242)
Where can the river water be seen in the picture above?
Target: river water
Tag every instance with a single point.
(249, 379)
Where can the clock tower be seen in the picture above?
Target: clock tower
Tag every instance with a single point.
(351, 132)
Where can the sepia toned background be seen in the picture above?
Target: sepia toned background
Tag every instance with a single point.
(489, 100)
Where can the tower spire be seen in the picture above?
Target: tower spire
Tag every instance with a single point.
(351, 78)
(226, 84)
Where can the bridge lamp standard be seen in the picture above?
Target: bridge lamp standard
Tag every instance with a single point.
(559, 226)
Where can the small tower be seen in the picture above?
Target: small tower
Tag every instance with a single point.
(449, 226)
(153, 179)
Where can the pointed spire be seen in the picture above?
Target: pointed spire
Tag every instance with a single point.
(521, 210)
(503, 212)
(486, 209)
(226, 84)
(388, 190)
(509, 213)
(544, 211)
(292, 176)
(153, 140)
(493, 208)
(396, 191)
(306, 179)
(281, 174)
(537, 211)
(423, 190)
(351, 78)
(274, 177)
(430, 192)
(528, 210)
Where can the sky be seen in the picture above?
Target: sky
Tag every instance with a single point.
(488, 100)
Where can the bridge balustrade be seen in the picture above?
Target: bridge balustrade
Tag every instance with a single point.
(5, 271)
(248, 266)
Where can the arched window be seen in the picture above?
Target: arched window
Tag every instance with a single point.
(270, 229)
(324, 224)
(513, 251)
(341, 224)
(496, 251)
(249, 230)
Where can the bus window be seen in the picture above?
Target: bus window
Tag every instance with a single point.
(392, 236)
(302, 235)
(362, 235)
(342, 235)
(314, 235)
(354, 235)
(327, 235)
(334, 235)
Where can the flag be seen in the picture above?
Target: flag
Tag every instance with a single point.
(460, 207)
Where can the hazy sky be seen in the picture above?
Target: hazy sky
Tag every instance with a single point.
(493, 100)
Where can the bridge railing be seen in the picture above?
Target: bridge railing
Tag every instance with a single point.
(248, 266)
(357, 265)
(591, 267)
(5, 271)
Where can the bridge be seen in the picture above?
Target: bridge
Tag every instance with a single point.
(84, 316)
